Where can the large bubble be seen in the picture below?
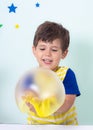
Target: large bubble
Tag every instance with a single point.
(42, 89)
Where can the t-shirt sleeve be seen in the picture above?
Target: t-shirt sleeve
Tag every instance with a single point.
(70, 83)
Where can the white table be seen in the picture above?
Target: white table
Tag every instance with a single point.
(43, 127)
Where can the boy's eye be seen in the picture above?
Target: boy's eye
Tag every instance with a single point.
(42, 49)
(54, 50)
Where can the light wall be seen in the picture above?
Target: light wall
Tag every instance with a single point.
(16, 54)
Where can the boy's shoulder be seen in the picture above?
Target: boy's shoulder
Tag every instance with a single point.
(61, 71)
(62, 68)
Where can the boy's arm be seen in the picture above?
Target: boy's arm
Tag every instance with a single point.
(69, 101)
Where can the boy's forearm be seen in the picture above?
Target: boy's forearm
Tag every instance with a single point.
(69, 101)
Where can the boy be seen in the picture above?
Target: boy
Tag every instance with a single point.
(50, 45)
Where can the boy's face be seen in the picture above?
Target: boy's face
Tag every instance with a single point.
(49, 54)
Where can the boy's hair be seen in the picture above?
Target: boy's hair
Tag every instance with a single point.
(49, 31)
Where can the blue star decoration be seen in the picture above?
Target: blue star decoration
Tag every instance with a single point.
(12, 8)
(37, 4)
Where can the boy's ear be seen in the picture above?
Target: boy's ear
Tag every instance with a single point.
(64, 54)
(33, 49)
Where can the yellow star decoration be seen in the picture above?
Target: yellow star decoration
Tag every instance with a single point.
(16, 26)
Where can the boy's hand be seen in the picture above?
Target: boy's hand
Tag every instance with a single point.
(31, 107)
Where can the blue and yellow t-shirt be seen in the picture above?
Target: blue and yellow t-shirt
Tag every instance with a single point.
(71, 87)
(68, 78)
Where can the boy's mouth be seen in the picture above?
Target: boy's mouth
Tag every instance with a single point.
(47, 61)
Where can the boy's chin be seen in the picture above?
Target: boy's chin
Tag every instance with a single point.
(46, 67)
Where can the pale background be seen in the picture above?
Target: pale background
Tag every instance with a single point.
(16, 55)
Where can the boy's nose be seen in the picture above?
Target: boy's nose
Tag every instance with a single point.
(48, 52)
